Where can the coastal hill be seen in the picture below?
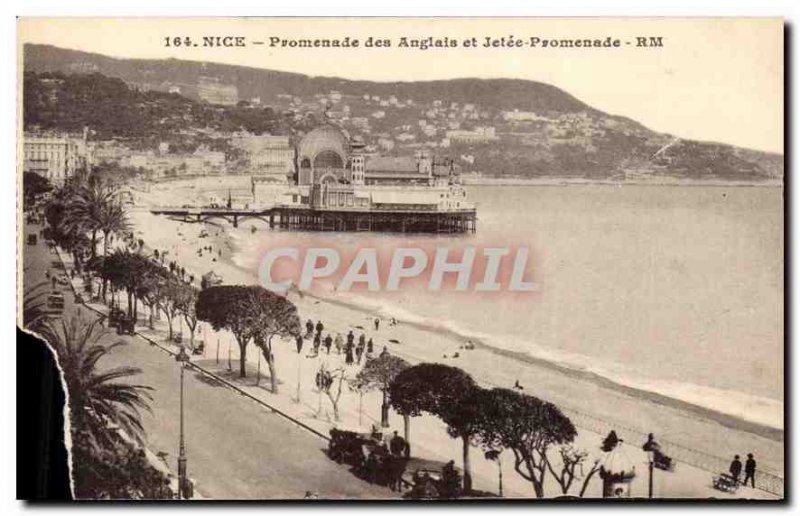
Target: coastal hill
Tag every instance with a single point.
(540, 131)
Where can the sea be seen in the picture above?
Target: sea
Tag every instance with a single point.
(676, 290)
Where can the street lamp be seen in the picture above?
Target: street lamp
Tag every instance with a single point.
(183, 358)
(495, 455)
(651, 456)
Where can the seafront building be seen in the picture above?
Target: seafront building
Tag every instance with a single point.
(55, 156)
(335, 173)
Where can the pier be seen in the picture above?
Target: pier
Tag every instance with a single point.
(341, 219)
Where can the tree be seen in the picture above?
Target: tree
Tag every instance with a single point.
(34, 307)
(86, 208)
(185, 298)
(174, 294)
(278, 318)
(112, 219)
(571, 458)
(120, 473)
(378, 373)
(249, 312)
(527, 426)
(34, 185)
(463, 417)
(440, 390)
(97, 401)
(151, 289)
(325, 382)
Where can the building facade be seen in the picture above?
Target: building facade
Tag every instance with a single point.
(335, 173)
(55, 156)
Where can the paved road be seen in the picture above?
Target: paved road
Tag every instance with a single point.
(236, 449)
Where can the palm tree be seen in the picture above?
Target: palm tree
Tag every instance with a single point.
(97, 402)
(34, 306)
(86, 209)
(112, 219)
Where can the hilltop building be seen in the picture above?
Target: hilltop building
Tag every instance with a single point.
(213, 91)
(268, 155)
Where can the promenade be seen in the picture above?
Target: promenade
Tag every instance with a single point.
(236, 449)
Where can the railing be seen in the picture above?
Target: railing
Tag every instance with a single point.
(764, 480)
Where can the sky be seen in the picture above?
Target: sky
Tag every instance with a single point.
(714, 79)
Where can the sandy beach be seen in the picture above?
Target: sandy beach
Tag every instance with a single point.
(688, 432)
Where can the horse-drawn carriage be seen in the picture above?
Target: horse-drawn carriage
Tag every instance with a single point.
(369, 456)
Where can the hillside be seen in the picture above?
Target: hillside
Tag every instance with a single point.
(565, 138)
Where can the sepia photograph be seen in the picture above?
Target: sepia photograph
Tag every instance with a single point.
(407, 259)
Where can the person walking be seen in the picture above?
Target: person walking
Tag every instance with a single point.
(348, 355)
(359, 352)
(328, 343)
(370, 346)
(299, 342)
(750, 471)
(377, 323)
(320, 327)
(309, 328)
(317, 342)
(735, 469)
(350, 338)
(338, 342)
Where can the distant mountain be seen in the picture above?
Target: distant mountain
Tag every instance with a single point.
(569, 140)
(267, 84)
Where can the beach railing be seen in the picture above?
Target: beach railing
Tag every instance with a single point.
(764, 480)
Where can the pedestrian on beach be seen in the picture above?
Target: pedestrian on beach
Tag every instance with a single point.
(350, 338)
(735, 469)
(320, 327)
(750, 470)
(328, 342)
(317, 342)
(309, 328)
(377, 323)
(359, 352)
(338, 342)
(370, 346)
(299, 342)
(348, 355)
(362, 340)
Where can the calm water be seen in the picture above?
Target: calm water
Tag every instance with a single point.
(674, 289)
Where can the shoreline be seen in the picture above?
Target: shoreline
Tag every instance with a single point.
(727, 420)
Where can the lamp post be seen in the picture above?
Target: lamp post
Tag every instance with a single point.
(650, 464)
(182, 357)
(495, 455)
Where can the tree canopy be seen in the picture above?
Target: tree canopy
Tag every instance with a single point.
(432, 388)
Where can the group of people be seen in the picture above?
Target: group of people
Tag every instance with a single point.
(353, 351)
(749, 470)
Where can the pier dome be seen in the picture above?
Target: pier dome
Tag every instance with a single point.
(324, 147)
